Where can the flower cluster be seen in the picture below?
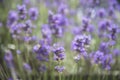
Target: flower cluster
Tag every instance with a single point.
(79, 44)
(59, 55)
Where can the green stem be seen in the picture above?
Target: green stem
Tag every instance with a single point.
(60, 76)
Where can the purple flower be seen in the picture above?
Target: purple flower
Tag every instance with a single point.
(98, 57)
(104, 47)
(102, 13)
(46, 32)
(18, 52)
(107, 61)
(59, 68)
(59, 53)
(8, 56)
(33, 13)
(22, 11)
(42, 50)
(116, 52)
(27, 67)
(80, 42)
(63, 9)
(12, 18)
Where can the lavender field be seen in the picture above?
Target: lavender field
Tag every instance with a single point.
(59, 39)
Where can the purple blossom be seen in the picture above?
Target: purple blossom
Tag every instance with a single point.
(98, 57)
(18, 52)
(46, 32)
(27, 67)
(33, 13)
(107, 61)
(116, 52)
(104, 47)
(22, 11)
(8, 56)
(102, 13)
(42, 50)
(59, 68)
(59, 53)
(12, 18)
(80, 42)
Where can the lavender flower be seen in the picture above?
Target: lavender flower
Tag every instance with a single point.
(18, 52)
(104, 47)
(59, 68)
(12, 18)
(101, 13)
(27, 67)
(42, 50)
(22, 11)
(59, 53)
(98, 57)
(107, 61)
(8, 56)
(33, 13)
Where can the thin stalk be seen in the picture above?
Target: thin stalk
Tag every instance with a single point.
(60, 76)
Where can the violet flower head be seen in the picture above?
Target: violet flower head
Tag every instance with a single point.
(104, 47)
(22, 11)
(98, 57)
(102, 13)
(12, 18)
(42, 50)
(27, 67)
(46, 32)
(79, 43)
(60, 19)
(107, 61)
(59, 52)
(59, 68)
(8, 56)
(18, 52)
(27, 25)
(63, 9)
(33, 13)
(116, 52)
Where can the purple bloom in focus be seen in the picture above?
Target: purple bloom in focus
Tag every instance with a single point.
(22, 11)
(59, 53)
(33, 13)
(42, 50)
